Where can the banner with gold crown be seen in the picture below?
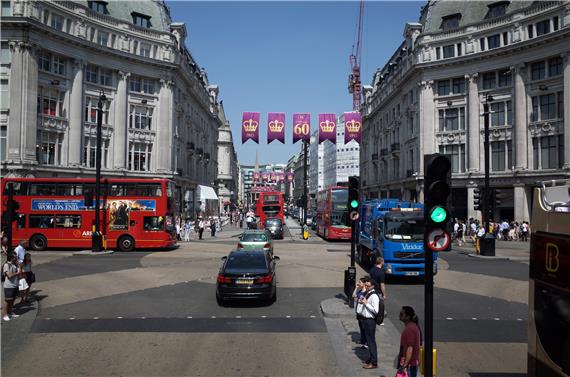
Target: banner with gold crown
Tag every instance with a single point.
(276, 127)
(327, 128)
(250, 127)
(256, 176)
(290, 177)
(302, 127)
(352, 127)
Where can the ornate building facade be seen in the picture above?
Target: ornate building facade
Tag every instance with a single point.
(429, 96)
(161, 116)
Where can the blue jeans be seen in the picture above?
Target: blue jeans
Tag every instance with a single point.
(369, 325)
(362, 334)
(413, 371)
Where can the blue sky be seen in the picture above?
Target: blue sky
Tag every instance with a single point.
(287, 57)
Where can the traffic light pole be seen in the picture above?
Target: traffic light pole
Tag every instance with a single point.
(487, 244)
(428, 312)
(96, 238)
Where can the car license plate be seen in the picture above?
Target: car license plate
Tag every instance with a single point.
(412, 273)
(244, 281)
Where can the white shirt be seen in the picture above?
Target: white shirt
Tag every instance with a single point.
(370, 309)
(20, 252)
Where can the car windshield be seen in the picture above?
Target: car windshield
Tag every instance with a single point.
(253, 261)
(403, 229)
(273, 222)
(254, 237)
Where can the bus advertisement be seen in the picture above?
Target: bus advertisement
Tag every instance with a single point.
(549, 282)
(332, 214)
(269, 205)
(60, 213)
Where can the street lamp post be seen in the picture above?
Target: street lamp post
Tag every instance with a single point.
(487, 244)
(96, 237)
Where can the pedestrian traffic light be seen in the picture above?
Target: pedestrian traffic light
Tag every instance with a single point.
(477, 200)
(496, 197)
(353, 204)
(15, 208)
(88, 199)
(437, 189)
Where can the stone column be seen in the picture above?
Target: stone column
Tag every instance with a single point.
(163, 145)
(121, 129)
(521, 202)
(566, 58)
(75, 139)
(427, 127)
(22, 127)
(473, 132)
(520, 126)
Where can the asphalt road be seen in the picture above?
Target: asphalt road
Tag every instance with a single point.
(155, 313)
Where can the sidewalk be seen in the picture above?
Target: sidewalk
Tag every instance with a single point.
(508, 250)
(344, 332)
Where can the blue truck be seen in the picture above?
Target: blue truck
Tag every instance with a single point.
(393, 229)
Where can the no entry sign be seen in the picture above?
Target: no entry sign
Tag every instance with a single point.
(438, 240)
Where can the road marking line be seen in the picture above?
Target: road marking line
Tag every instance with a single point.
(313, 316)
(474, 318)
(71, 318)
(119, 317)
(449, 319)
(213, 316)
(48, 319)
(95, 317)
(238, 316)
(287, 316)
(263, 316)
(143, 317)
(497, 319)
(519, 319)
(189, 317)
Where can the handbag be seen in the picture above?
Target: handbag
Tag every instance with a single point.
(403, 373)
(23, 284)
(32, 277)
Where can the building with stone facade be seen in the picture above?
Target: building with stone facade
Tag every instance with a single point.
(248, 182)
(228, 167)
(316, 168)
(429, 98)
(344, 159)
(161, 115)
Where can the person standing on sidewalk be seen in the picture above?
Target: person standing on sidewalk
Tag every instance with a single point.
(410, 341)
(368, 306)
(378, 277)
(10, 274)
(356, 295)
(201, 226)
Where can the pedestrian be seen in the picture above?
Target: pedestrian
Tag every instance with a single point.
(213, 227)
(459, 235)
(30, 277)
(20, 251)
(178, 237)
(187, 230)
(368, 306)
(356, 295)
(4, 241)
(378, 277)
(201, 226)
(241, 219)
(410, 341)
(524, 231)
(10, 273)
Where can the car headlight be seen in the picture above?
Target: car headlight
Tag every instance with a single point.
(388, 268)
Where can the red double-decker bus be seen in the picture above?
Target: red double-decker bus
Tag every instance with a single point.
(269, 204)
(60, 212)
(332, 212)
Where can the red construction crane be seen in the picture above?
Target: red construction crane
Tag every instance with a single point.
(354, 83)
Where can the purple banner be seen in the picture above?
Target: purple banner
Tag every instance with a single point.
(264, 176)
(352, 127)
(250, 127)
(290, 177)
(281, 177)
(276, 127)
(302, 127)
(327, 128)
(256, 176)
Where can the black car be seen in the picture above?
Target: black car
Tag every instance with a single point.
(247, 275)
(275, 227)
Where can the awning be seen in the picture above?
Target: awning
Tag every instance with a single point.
(206, 192)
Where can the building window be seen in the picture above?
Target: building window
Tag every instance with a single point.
(91, 74)
(102, 38)
(560, 105)
(489, 80)
(6, 8)
(450, 22)
(530, 31)
(482, 44)
(92, 108)
(544, 107)
(497, 9)
(98, 6)
(144, 50)
(48, 148)
(437, 53)
(50, 102)
(57, 22)
(555, 23)
(498, 156)
(538, 70)
(458, 85)
(139, 156)
(456, 154)
(459, 50)
(542, 27)
(505, 78)
(3, 142)
(548, 152)
(89, 152)
(141, 20)
(4, 94)
(141, 117)
(98, 75)
(452, 119)
(554, 66)
(494, 41)
(51, 63)
(505, 38)
(142, 85)
(5, 54)
(501, 113)
(449, 51)
(443, 88)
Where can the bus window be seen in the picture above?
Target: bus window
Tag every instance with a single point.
(42, 189)
(41, 221)
(116, 190)
(21, 221)
(68, 221)
(141, 189)
(65, 189)
(153, 223)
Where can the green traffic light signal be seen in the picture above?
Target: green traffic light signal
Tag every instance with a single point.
(353, 203)
(438, 214)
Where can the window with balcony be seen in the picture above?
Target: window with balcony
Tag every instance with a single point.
(98, 6)
(90, 149)
(48, 148)
(482, 44)
(139, 156)
(548, 152)
(141, 20)
(50, 102)
(456, 154)
(450, 22)
(141, 117)
(459, 49)
(452, 119)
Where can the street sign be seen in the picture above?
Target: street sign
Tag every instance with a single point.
(354, 216)
(438, 240)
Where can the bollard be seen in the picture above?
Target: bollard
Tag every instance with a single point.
(422, 368)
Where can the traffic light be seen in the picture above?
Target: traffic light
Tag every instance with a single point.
(353, 198)
(88, 199)
(437, 190)
(496, 197)
(15, 208)
(477, 205)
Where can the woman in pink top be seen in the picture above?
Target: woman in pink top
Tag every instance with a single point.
(410, 342)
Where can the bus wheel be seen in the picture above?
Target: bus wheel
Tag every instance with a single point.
(126, 243)
(38, 242)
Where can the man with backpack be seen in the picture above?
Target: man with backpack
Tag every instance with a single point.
(10, 273)
(368, 308)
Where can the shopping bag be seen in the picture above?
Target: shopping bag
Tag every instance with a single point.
(23, 285)
(402, 373)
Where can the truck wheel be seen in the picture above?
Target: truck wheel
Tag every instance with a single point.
(126, 243)
(38, 242)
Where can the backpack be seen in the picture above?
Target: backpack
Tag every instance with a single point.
(379, 318)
